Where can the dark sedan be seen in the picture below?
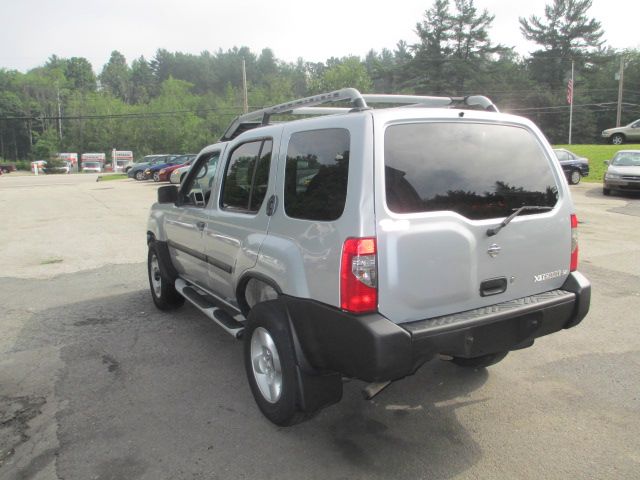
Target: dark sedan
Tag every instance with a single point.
(137, 171)
(574, 167)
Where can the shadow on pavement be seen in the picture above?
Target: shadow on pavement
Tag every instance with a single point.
(164, 395)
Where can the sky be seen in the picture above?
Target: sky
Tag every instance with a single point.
(33, 30)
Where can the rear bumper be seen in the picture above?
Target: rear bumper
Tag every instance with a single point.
(372, 348)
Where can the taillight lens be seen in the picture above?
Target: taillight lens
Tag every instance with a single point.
(358, 275)
(573, 266)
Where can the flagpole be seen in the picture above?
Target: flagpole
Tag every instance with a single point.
(571, 103)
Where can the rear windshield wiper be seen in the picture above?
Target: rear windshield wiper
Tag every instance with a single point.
(492, 231)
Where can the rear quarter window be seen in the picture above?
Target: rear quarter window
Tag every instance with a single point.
(316, 174)
(478, 170)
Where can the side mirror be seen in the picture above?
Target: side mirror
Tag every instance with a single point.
(168, 194)
(606, 162)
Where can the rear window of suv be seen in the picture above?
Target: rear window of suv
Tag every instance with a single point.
(478, 170)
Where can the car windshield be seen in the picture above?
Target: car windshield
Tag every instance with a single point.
(627, 159)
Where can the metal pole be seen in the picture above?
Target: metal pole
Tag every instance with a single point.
(571, 104)
(59, 112)
(245, 105)
(620, 84)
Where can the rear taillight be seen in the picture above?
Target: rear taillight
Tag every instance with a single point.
(358, 275)
(573, 266)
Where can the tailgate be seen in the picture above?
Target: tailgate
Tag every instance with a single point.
(441, 186)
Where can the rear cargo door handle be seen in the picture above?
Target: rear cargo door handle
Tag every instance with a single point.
(493, 286)
(201, 225)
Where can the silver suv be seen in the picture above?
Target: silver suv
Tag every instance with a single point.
(363, 242)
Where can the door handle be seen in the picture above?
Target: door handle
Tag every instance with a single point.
(201, 225)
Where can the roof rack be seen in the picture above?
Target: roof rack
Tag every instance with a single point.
(308, 106)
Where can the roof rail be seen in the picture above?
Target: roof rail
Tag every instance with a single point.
(305, 106)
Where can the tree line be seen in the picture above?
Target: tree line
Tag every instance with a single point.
(180, 102)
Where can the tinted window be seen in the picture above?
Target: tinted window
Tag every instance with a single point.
(316, 174)
(246, 179)
(477, 170)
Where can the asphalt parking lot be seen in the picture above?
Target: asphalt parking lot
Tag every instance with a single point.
(95, 383)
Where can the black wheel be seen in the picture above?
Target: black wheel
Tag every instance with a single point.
(480, 362)
(606, 191)
(269, 361)
(156, 177)
(617, 139)
(575, 177)
(163, 292)
(139, 175)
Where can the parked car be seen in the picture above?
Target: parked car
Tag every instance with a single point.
(145, 160)
(620, 135)
(7, 167)
(179, 174)
(623, 172)
(153, 171)
(574, 167)
(137, 170)
(365, 243)
(165, 173)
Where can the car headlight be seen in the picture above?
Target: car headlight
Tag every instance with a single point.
(147, 171)
(163, 171)
(612, 176)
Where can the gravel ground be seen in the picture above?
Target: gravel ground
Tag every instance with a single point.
(97, 384)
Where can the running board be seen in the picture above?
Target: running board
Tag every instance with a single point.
(207, 305)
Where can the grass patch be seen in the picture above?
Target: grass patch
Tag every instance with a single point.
(113, 176)
(50, 261)
(597, 154)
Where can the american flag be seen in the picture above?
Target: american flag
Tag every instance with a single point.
(570, 92)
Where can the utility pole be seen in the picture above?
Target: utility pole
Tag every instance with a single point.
(59, 112)
(620, 86)
(570, 98)
(245, 103)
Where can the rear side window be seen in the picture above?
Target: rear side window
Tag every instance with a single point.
(477, 170)
(316, 175)
(246, 179)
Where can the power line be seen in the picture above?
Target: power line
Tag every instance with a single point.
(229, 112)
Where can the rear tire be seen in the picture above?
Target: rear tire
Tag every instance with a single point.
(606, 191)
(163, 291)
(480, 362)
(617, 139)
(575, 177)
(270, 364)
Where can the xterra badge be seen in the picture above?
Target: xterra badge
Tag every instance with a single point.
(549, 275)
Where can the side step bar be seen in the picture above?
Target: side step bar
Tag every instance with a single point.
(207, 305)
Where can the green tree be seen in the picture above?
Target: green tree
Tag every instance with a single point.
(454, 48)
(79, 74)
(347, 72)
(566, 33)
(143, 83)
(116, 77)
